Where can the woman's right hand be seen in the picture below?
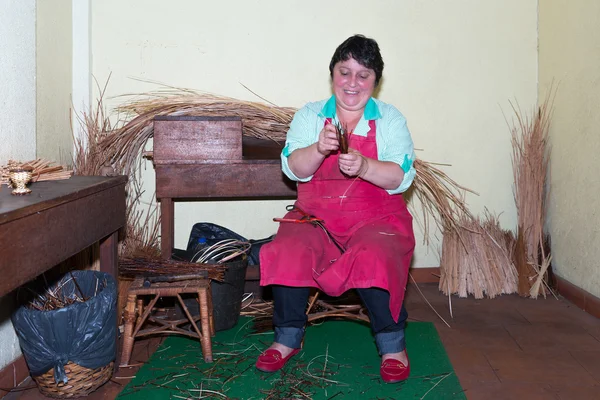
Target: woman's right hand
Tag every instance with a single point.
(327, 140)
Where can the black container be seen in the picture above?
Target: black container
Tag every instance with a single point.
(226, 296)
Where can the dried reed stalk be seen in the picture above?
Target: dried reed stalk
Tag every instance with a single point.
(441, 198)
(259, 120)
(136, 266)
(477, 259)
(530, 155)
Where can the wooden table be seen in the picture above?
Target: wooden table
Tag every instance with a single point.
(56, 221)
(207, 158)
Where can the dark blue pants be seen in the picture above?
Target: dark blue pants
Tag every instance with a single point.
(289, 317)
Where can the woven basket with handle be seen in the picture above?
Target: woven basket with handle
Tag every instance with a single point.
(82, 381)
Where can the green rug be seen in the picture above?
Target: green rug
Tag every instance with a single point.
(339, 361)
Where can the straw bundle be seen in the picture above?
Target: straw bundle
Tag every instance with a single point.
(259, 120)
(530, 165)
(440, 196)
(479, 261)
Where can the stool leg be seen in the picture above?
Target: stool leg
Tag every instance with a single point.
(129, 317)
(140, 310)
(206, 339)
(211, 318)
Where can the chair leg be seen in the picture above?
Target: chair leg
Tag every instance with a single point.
(204, 315)
(129, 317)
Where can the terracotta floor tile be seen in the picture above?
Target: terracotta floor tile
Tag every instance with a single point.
(567, 336)
(594, 331)
(556, 311)
(590, 360)
(539, 367)
(478, 316)
(483, 338)
(511, 391)
(471, 366)
(577, 393)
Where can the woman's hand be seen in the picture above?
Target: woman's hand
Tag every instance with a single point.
(353, 163)
(327, 140)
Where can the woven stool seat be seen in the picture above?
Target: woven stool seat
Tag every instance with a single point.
(137, 314)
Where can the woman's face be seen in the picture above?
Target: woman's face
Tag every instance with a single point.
(353, 84)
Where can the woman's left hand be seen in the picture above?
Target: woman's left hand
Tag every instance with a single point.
(353, 163)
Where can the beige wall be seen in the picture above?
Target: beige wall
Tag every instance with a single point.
(53, 80)
(17, 119)
(569, 54)
(451, 68)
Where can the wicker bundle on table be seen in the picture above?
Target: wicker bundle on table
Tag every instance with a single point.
(82, 381)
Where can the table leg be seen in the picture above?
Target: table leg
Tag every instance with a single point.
(167, 227)
(109, 263)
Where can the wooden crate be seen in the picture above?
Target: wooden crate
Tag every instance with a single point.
(185, 138)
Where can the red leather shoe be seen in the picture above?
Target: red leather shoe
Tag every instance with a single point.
(393, 371)
(271, 360)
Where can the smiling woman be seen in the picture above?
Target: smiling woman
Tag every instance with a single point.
(369, 240)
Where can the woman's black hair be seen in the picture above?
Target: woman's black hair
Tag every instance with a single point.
(364, 50)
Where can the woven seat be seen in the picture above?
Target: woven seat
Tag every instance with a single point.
(137, 314)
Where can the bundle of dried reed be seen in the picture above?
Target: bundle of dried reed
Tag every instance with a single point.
(479, 261)
(145, 266)
(530, 166)
(259, 120)
(43, 170)
(440, 196)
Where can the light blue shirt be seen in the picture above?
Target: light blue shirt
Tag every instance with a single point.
(394, 142)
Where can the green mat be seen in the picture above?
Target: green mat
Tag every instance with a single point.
(339, 361)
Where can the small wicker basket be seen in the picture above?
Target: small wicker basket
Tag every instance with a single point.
(82, 381)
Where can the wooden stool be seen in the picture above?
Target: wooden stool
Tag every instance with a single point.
(201, 287)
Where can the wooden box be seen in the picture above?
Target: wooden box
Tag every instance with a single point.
(183, 139)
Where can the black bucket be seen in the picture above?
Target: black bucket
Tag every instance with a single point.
(226, 296)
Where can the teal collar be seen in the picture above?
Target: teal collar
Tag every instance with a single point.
(371, 109)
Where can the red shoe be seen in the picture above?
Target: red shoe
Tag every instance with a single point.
(271, 360)
(393, 371)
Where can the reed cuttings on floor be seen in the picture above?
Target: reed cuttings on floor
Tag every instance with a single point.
(530, 156)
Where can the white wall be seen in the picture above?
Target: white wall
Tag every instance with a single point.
(451, 68)
(53, 79)
(570, 57)
(17, 119)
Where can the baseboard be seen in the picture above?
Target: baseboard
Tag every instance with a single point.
(12, 375)
(582, 299)
(425, 275)
(420, 275)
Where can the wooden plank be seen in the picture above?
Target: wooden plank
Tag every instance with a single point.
(197, 138)
(241, 180)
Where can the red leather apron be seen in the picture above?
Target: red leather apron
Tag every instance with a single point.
(374, 227)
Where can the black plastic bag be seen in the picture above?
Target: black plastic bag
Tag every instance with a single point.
(211, 233)
(83, 332)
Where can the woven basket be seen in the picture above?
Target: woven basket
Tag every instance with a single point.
(82, 381)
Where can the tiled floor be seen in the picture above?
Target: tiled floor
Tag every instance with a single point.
(505, 348)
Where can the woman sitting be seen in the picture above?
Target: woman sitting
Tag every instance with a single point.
(358, 196)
